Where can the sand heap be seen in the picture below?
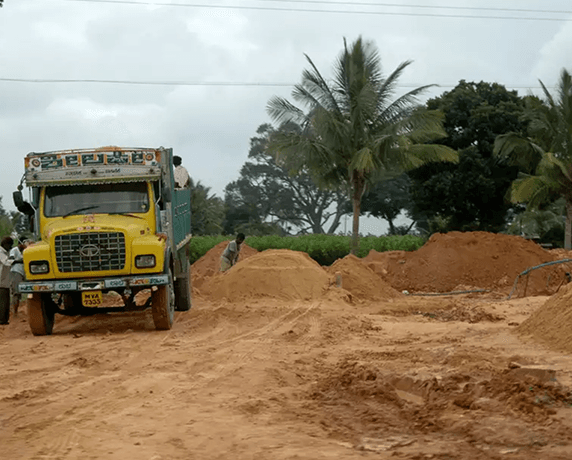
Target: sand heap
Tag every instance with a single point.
(551, 324)
(276, 273)
(475, 259)
(209, 264)
(361, 281)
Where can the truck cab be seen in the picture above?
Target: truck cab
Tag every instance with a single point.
(105, 219)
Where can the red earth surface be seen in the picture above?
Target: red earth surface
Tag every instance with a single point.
(408, 355)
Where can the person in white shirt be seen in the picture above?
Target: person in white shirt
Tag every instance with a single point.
(17, 273)
(182, 178)
(5, 264)
(230, 255)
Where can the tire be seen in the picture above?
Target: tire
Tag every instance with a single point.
(40, 314)
(183, 294)
(163, 305)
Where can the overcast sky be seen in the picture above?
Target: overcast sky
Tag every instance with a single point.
(234, 55)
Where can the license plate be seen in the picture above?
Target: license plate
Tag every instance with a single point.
(91, 298)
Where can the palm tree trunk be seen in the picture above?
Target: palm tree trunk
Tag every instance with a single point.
(358, 188)
(568, 226)
(356, 203)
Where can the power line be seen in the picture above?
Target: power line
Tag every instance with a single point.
(141, 82)
(206, 83)
(436, 7)
(309, 10)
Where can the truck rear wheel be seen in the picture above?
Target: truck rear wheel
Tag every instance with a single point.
(183, 290)
(163, 305)
(40, 314)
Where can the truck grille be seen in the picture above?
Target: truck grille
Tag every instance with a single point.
(82, 252)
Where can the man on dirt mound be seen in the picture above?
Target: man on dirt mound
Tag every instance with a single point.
(230, 255)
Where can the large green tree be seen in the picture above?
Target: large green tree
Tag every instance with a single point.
(546, 152)
(470, 195)
(387, 199)
(244, 212)
(292, 200)
(354, 131)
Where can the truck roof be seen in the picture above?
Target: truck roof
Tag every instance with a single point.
(96, 165)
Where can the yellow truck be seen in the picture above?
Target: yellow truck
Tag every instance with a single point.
(105, 219)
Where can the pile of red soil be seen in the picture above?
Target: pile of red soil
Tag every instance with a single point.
(276, 273)
(360, 280)
(209, 264)
(551, 324)
(479, 259)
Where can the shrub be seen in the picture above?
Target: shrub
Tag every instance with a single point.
(324, 249)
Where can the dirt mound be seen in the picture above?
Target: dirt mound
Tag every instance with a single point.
(361, 281)
(209, 264)
(480, 259)
(276, 273)
(551, 324)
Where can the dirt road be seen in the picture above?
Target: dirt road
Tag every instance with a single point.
(281, 358)
(409, 378)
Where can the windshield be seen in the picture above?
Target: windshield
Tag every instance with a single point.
(130, 197)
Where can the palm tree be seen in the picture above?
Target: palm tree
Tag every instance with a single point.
(539, 222)
(546, 154)
(353, 132)
(207, 210)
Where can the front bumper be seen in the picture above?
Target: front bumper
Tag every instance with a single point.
(99, 284)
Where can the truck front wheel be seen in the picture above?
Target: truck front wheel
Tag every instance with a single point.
(40, 314)
(163, 305)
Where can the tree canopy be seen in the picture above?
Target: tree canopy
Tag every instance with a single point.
(470, 195)
(546, 150)
(207, 210)
(12, 222)
(388, 199)
(353, 130)
(291, 199)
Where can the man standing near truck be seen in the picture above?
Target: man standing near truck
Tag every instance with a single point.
(230, 255)
(17, 273)
(5, 264)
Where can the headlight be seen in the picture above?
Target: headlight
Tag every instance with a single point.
(39, 267)
(146, 261)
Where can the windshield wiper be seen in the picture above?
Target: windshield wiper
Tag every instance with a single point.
(80, 210)
(127, 214)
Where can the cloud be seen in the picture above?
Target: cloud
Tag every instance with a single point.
(210, 126)
(554, 55)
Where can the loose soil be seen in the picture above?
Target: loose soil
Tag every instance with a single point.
(275, 361)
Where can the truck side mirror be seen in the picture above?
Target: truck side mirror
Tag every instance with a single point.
(23, 206)
(18, 199)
